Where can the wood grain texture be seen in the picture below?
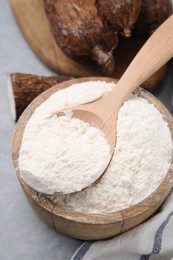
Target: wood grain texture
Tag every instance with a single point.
(83, 225)
(32, 20)
(23, 88)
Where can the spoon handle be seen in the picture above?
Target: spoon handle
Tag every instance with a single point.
(153, 55)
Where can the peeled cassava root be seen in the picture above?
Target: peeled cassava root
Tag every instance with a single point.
(91, 28)
(23, 88)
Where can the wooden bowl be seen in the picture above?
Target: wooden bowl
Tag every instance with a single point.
(82, 225)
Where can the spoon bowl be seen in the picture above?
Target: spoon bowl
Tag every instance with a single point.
(93, 120)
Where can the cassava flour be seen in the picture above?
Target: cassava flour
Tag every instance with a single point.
(62, 154)
(141, 159)
(65, 151)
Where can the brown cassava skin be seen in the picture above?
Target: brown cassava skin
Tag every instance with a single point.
(80, 32)
(26, 87)
(90, 29)
(122, 14)
(153, 13)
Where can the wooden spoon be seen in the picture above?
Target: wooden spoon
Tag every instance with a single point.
(103, 113)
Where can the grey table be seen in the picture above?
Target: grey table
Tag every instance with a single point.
(23, 236)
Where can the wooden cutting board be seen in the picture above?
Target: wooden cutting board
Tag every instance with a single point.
(32, 20)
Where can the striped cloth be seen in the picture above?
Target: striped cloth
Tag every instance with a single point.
(151, 240)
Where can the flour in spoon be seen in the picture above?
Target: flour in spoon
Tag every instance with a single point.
(141, 159)
(61, 154)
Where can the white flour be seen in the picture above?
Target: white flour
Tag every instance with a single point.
(140, 162)
(65, 151)
(62, 154)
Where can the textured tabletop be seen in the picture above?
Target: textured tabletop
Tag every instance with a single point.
(23, 236)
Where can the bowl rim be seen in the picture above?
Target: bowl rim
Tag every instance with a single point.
(157, 196)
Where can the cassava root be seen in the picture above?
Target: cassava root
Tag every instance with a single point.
(23, 88)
